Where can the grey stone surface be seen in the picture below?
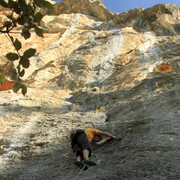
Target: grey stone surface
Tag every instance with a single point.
(115, 72)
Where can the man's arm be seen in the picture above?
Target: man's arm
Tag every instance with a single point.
(109, 137)
(107, 134)
(102, 141)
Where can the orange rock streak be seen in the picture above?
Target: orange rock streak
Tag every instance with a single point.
(7, 86)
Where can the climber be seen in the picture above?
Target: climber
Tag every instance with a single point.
(81, 141)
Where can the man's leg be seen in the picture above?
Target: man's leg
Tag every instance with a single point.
(79, 162)
(86, 158)
(86, 149)
(78, 158)
(86, 154)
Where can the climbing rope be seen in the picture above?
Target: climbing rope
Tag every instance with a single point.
(80, 172)
(95, 157)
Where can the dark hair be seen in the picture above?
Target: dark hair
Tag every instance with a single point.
(100, 137)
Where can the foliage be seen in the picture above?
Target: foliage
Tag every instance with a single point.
(2, 80)
(23, 13)
(101, 109)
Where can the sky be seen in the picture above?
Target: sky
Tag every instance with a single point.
(118, 6)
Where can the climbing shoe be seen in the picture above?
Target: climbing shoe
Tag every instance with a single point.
(81, 165)
(90, 163)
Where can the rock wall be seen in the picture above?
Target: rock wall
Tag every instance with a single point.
(93, 68)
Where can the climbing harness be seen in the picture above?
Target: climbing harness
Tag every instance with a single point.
(80, 172)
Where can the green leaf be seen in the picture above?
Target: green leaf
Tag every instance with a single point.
(39, 31)
(24, 61)
(7, 24)
(29, 52)
(30, 9)
(37, 17)
(18, 86)
(21, 20)
(2, 79)
(17, 44)
(12, 56)
(25, 33)
(47, 5)
(22, 3)
(11, 4)
(27, 19)
(3, 3)
(21, 74)
(16, 8)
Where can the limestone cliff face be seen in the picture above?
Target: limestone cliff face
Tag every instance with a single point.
(94, 68)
